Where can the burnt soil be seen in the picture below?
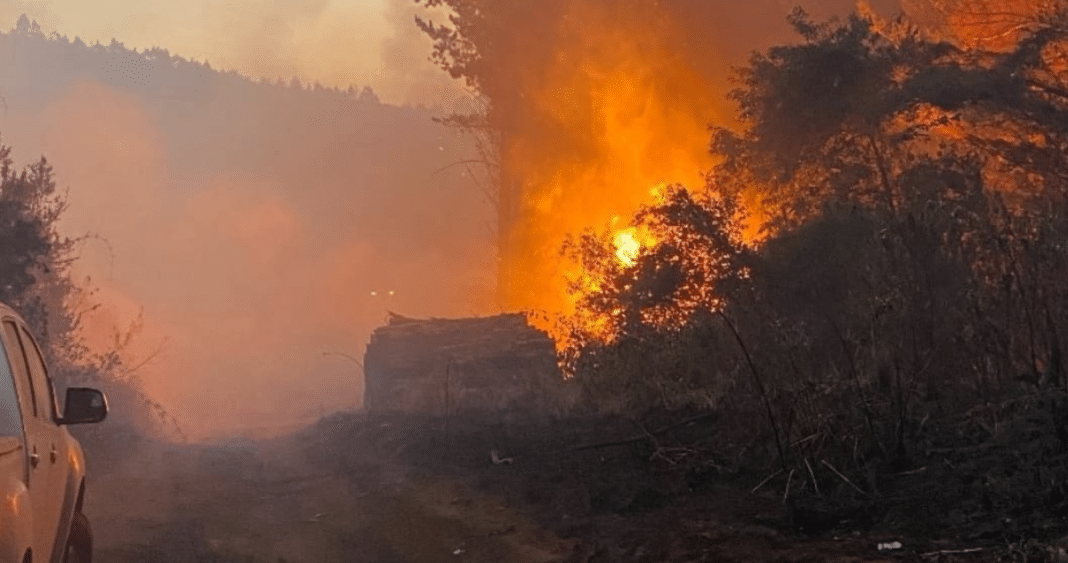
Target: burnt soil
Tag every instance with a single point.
(408, 489)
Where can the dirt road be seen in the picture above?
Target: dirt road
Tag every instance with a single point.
(350, 489)
(267, 502)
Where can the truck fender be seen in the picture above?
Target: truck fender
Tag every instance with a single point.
(16, 520)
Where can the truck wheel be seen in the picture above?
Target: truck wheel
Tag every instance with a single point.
(80, 541)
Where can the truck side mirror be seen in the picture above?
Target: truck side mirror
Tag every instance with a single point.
(84, 405)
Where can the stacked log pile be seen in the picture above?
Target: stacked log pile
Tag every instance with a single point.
(498, 366)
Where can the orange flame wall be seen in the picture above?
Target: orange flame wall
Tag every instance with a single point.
(620, 108)
(601, 102)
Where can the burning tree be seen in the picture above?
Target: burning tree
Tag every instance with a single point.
(911, 194)
(915, 209)
(905, 292)
(991, 24)
(645, 296)
(591, 104)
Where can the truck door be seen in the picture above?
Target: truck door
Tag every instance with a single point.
(48, 413)
(46, 488)
(48, 410)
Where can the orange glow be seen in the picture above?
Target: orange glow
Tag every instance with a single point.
(619, 113)
(988, 24)
(629, 243)
(74, 460)
(627, 247)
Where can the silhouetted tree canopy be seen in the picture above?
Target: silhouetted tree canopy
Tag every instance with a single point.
(29, 209)
(914, 197)
(881, 116)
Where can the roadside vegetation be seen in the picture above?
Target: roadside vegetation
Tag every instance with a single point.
(36, 279)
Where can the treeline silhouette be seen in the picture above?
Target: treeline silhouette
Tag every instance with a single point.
(42, 63)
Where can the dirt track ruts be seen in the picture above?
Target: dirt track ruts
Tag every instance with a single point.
(268, 502)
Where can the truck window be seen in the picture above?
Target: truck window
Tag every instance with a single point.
(46, 395)
(10, 420)
(19, 369)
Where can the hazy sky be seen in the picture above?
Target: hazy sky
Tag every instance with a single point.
(335, 42)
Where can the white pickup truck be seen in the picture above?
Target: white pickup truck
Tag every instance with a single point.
(42, 469)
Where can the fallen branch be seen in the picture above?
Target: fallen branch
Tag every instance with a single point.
(844, 478)
(666, 454)
(766, 479)
(789, 479)
(953, 551)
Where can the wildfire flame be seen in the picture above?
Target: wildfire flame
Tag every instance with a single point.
(629, 243)
(627, 247)
(615, 110)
